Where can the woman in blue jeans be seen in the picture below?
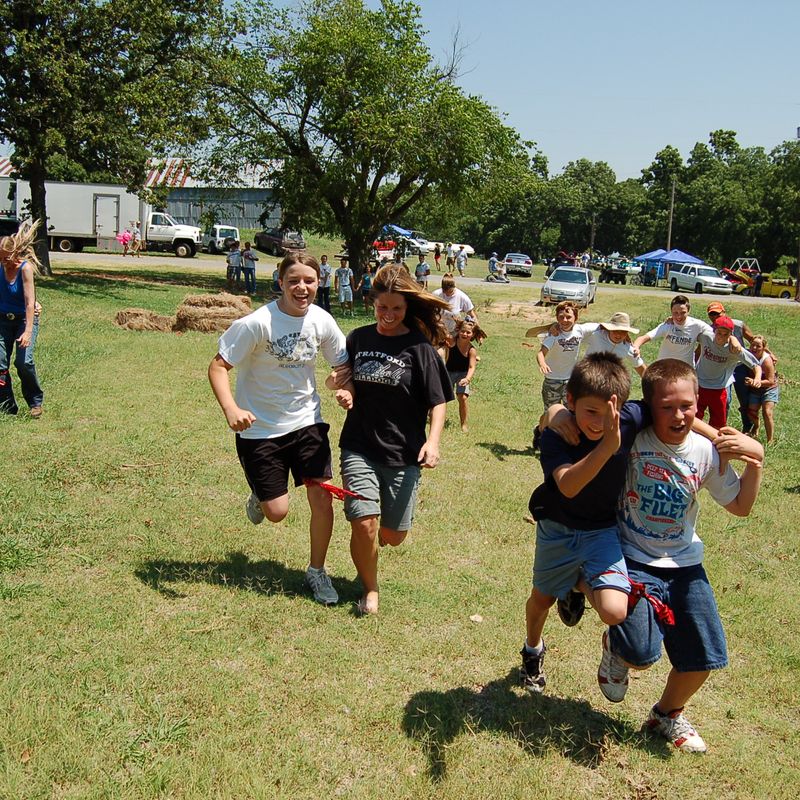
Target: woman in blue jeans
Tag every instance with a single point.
(19, 321)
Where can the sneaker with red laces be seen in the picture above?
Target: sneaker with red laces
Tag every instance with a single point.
(612, 674)
(675, 728)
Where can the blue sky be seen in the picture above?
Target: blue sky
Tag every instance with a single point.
(617, 80)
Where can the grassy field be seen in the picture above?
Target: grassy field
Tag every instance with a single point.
(157, 645)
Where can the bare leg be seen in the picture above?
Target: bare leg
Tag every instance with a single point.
(462, 411)
(364, 552)
(680, 688)
(769, 421)
(610, 604)
(276, 509)
(536, 610)
(321, 527)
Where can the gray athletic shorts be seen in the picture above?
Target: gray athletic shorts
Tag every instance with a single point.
(553, 392)
(390, 492)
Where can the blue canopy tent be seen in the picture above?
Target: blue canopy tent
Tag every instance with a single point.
(661, 259)
(651, 256)
(394, 230)
(650, 261)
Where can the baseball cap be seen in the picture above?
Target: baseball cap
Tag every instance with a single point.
(723, 322)
(619, 322)
(715, 308)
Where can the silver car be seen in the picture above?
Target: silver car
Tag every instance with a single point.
(570, 283)
(518, 264)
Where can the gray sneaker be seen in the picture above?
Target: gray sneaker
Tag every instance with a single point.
(253, 509)
(677, 729)
(320, 584)
(612, 674)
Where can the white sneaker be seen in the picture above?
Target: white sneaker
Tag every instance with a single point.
(253, 509)
(320, 584)
(677, 729)
(612, 674)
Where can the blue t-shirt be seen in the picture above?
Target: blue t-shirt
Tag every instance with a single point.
(12, 295)
(595, 506)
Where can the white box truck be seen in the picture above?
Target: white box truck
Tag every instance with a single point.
(78, 214)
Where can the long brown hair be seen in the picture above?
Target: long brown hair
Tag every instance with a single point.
(19, 245)
(424, 309)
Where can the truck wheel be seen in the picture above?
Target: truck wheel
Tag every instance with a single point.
(183, 250)
(745, 292)
(65, 245)
(698, 288)
(673, 285)
(212, 247)
(785, 295)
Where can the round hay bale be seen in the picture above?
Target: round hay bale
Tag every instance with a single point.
(140, 319)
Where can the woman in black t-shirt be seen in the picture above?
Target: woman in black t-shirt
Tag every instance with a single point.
(398, 380)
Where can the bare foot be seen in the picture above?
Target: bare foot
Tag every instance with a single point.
(368, 604)
(464, 428)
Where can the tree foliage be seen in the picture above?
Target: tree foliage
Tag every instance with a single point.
(349, 115)
(91, 89)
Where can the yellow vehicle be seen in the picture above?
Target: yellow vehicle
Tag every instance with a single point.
(769, 287)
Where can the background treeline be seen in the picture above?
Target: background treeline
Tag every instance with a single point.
(730, 201)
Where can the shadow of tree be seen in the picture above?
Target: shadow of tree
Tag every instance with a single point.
(537, 723)
(792, 489)
(101, 286)
(265, 577)
(501, 451)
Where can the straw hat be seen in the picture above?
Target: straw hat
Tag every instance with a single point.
(619, 322)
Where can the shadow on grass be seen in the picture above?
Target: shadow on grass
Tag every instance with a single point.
(238, 572)
(114, 285)
(539, 724)
(791, 489)
(501, 451)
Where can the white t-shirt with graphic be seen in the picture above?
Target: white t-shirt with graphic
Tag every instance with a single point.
(600, 342)
(562, 350)
(274, 355)
(679, 340)
(659, 505)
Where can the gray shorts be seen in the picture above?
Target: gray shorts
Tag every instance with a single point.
(553, 392)
(390, 492)
(455, 377)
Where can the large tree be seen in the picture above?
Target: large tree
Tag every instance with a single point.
(94, 88)
(349, 115)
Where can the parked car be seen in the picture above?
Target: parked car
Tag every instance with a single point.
(518, 264)
(770, 287)
(698, 278)
(570, 283)
(218, 238)
(279, 240)
(8, 225)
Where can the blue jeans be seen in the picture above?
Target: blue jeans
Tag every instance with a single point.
(10, 331)
(249, 280)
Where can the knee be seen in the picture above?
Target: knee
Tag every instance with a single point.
(276, 510)
(613, 616)
(392, 537)
(612, 606)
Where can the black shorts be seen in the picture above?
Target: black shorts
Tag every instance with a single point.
(267, 462)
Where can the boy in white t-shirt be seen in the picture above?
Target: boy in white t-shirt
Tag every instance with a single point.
(667, 466)
(343, 284)
(680, 332)
(276, 411)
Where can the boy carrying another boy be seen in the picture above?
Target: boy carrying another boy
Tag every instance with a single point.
(668, 466)
(577, 540)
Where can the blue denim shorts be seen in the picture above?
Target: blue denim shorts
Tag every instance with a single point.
(564, 554)
(389, 492)
(455, 377)
(696, 642)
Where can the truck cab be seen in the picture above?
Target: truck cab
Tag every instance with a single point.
(163, 233)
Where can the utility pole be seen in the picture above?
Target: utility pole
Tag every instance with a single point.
(671, 212)
(594, 228)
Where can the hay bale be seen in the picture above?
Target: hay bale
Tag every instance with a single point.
(206, 320)
(222, 300)
(140, 319)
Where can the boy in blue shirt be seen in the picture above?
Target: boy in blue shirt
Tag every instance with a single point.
(577, 540)
(667, 467)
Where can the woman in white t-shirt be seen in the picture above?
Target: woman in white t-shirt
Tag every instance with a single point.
(276, 410)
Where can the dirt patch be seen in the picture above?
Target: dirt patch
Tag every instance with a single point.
(206, 313)
(526, 311)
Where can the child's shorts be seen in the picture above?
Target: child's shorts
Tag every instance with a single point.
(455, 377)
(306, 453)
(389, 492)
(564, 554)
(771, 395)
(554, 392)
(345, 294)
(696, 642)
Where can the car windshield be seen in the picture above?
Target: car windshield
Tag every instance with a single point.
(569, 276)
(708, 272)
(516, 256)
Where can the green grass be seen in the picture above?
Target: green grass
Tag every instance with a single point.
(157, 645)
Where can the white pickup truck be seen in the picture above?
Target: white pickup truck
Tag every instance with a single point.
(87, 214)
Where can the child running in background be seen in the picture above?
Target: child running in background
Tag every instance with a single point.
(461, 361)
(614, 337)
(558, 355)
(720, 354)
(767, 394)
(667, 467)
(680, 332)
(343, 284)
(364, 287)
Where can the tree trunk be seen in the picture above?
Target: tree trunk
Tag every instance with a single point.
(39, 212)
(359, 250)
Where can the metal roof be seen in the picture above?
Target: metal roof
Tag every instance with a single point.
(5, 167)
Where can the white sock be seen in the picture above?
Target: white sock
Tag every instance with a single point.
(534, 651)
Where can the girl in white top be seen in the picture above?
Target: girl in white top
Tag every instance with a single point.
(680, 332)
(276, 410)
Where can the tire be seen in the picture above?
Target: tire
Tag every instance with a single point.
(65, 245)
(212, 247)
(183, 249)
(785, 295)
(698, 288)
(673, 285)
(746, 292)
